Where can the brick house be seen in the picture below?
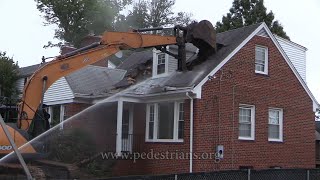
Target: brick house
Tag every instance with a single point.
(247, 101)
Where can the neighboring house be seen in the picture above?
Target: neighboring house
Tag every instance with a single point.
(317, 132)
(247, 101)
(77, 91)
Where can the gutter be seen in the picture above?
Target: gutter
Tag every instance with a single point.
(191, 132)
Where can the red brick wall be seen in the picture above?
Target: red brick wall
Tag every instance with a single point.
(74, 108)
(278, 89)
(153, 166)
(236, 83)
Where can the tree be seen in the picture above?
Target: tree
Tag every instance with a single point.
(247, 12)
(8, 76)
(155, 13)
(77, 18)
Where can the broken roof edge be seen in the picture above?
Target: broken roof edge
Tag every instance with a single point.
(262, 25)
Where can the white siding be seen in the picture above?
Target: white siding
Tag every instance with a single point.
(296, 54)
(60, 91)
(172, 64)
(20, 84)
(263, 33)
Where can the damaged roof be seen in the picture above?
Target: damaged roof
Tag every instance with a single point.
(228, 42)
(94, 80)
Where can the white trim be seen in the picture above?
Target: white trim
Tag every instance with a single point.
(263, 25)
(119, 128)
(156, 120)
(291, 43)
(252, 108)
(155, 64)
(266, 59)
(280, 125)
(62, 109)
(52, 103)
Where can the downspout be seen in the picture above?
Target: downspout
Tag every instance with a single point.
(191, 131)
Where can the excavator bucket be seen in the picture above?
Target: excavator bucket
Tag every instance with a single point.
(200, 33)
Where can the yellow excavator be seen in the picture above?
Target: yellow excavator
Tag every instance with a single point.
(32, 117)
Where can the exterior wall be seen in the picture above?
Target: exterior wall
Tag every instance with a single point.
(216, 120)
(59, 91)
(240, 85)
(152, 165)
(74, 108)
(296, 54)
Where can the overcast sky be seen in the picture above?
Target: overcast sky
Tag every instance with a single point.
(22, 34)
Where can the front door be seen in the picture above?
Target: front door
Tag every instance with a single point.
(127, 136)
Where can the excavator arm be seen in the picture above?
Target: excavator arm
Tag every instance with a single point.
(201, 34)
(43, 78)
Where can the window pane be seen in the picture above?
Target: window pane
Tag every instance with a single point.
(161, 68)
(244, 115)
(274, 131)
(245, 130)
(181, 121)
(150, 130)
(151, 121)
(165, 120)
(259, 67)
(55, 117)
(180, 130)
(274, 117)
(260, 59)
(161, 63)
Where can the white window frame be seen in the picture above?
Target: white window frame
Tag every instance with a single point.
(266, 62)
(252, 107)
(155, 123)
(280, 125)
(155, 64)
(62, 114)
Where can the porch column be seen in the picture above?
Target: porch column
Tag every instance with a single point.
(119, 127)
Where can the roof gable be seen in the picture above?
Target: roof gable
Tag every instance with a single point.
(262, 29)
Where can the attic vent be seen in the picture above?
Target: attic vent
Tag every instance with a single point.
(263, 33)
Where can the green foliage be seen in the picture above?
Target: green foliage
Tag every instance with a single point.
(71, 146)
(77, 18)
(8, 76)
(247, 12)
(154, 13)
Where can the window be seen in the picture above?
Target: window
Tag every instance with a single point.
(275, 125)
(57, 115)
(261, 60)
(161, 66)
(165, 122)
(246, 122)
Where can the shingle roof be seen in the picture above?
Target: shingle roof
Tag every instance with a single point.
(29, 70)
(229, 41)
(94, 80)
(135, 59)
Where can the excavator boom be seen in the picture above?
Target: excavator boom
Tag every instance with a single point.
(43, 78)
(200, 34)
